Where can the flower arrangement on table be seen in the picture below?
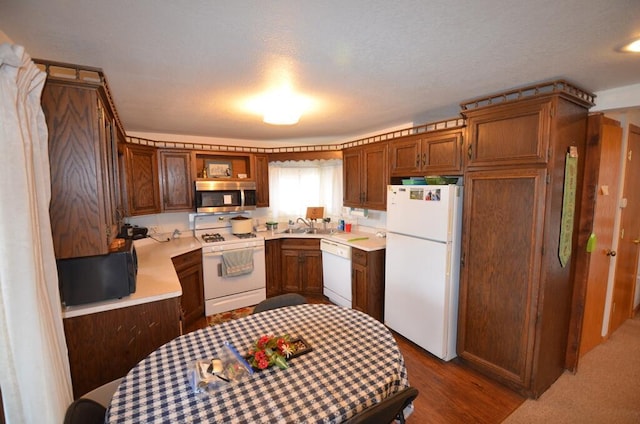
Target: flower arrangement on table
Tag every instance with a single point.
(271, 350)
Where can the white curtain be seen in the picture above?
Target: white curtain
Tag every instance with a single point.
(295, 185)
(34, 367)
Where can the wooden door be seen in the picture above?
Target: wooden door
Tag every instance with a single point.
(607, 133)
(311, 272)
(351, 169)
(442, 153)
(375, 173)
(142, 179)
(629, 237)
(272, 263)
(502, 244)
(290, 268)
(406, 155)
(262, 180)
(176, 180)
(77, 183)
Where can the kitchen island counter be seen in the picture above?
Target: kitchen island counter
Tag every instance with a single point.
(156, 279)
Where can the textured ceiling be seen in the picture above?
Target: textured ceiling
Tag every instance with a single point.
(183, 67)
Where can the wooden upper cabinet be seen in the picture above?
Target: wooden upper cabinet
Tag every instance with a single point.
(432, 153)
(143, 192)
(176, 181)
(366, 175)
(84, 205)
(261, 175)
(516, 134)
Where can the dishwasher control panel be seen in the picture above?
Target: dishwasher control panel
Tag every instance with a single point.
(334, 248)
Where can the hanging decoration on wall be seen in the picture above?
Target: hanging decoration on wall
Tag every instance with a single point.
(568, 205)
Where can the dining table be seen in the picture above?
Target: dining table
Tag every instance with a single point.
(353, 362)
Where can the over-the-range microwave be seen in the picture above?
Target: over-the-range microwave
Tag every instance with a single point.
(224, 196)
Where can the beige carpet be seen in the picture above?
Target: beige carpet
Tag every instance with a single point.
(606, 388)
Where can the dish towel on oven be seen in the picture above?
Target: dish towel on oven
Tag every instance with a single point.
(237, 262)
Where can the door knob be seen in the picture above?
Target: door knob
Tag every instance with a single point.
(611, 253)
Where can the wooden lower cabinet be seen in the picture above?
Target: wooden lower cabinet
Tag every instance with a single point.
(272, 264)
(367, 282)
(301, 266)
(106, 345)
(189, 269)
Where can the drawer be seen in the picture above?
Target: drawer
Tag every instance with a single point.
(300, 244)
(359, 256)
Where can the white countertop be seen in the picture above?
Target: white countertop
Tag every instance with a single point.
(157, 278)
(367, 241)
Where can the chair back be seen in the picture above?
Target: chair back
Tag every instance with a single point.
(388, 410)
(280, 301)
(85, 411)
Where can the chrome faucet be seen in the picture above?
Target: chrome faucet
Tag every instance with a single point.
(308, 223)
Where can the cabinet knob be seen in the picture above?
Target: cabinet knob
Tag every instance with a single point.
(611, 253)
(418, 160)
(424, 159)
(636, 241)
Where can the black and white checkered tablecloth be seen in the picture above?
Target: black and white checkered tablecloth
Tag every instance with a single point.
(355, 362)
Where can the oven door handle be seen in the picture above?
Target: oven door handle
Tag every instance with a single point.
(220, 252)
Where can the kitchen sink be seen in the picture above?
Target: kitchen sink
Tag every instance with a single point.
(303, 230)
(295, 231)
(317, 231)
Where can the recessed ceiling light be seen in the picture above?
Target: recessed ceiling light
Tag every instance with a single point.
(633, 47)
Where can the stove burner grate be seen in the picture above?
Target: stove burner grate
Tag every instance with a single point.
(245, 235)
(212, 238)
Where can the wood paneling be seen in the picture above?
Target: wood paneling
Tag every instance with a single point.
(106, 345)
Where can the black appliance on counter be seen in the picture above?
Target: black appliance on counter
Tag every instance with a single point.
(128, 231)
(96, 278)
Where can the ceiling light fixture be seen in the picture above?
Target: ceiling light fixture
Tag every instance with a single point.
(280, 106)
(633, 47)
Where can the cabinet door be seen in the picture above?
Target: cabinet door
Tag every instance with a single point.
(189, 269)
(311, 272)
(359, 287)
(406, 155)
(142, 179)
(291, 275)
(272, 264)
(76, 158)
(502, 243)
(352, 169)
(192, 293)
(509, 134)
(105, 345)
(176, 180)
(375, 172)
(442, 153)
(262, 180)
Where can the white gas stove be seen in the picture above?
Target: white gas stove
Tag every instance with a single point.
(224, 290)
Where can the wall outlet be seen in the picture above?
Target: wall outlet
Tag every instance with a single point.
(153, 229)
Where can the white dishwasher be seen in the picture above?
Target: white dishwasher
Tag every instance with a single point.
(336, 272)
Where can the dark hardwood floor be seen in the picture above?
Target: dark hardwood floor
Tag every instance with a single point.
(450, 393)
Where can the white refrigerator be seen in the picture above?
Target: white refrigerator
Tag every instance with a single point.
(423, 265)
